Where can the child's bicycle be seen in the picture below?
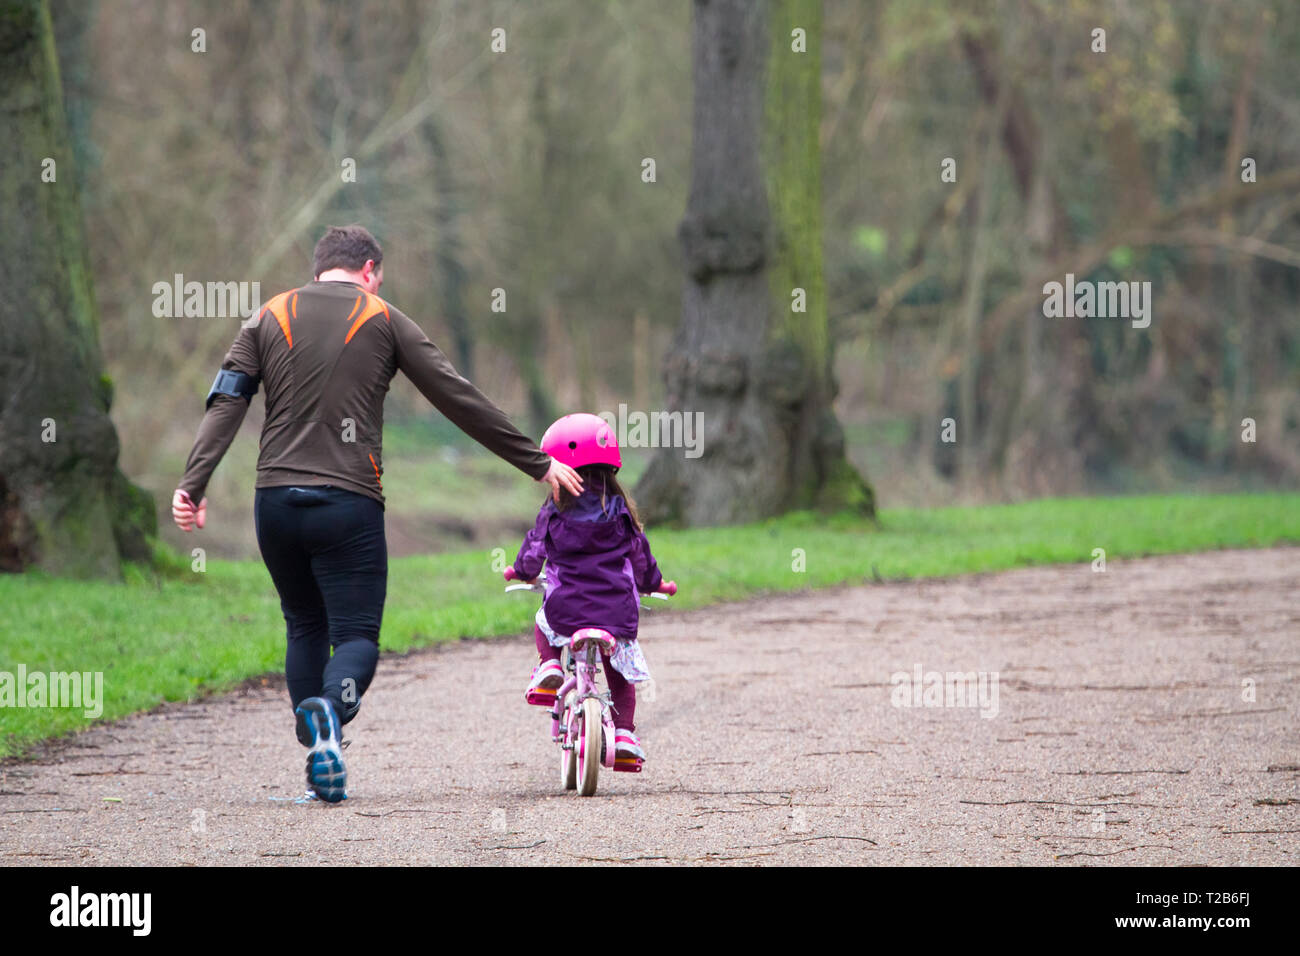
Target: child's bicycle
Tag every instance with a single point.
(582, 720)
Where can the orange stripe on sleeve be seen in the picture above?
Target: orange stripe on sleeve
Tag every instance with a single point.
(279, 307)
(356, 305)
(374, 306)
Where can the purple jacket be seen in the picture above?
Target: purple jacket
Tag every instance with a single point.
(596, 561)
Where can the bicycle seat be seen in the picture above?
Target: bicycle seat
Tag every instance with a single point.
(594, 635)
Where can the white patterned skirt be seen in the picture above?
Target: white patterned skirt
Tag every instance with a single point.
(627, 657)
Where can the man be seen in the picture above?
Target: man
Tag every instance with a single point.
(326, 353)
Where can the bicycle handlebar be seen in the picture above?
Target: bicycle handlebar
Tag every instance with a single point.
(666, 590)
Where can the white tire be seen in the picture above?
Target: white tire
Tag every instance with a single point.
(568, 758)
(592, 731)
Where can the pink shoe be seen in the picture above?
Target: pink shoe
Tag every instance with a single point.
(547, 678)
(628, 755)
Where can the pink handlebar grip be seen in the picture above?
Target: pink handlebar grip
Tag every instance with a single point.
(668, 587)
(509, 573)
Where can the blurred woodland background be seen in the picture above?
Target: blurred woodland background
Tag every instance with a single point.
(523, 171)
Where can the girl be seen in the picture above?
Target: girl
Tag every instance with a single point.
(597, 559)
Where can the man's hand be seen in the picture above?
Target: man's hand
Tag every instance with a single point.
(561, 474)
(185, 514)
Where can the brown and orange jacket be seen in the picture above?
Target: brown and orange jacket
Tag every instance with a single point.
(325, 354)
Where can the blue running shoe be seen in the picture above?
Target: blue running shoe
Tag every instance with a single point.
(318, 729)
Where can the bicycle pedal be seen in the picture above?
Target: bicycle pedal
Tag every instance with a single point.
(541, 697)
(628, 764)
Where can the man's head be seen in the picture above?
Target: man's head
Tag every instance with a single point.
(349, 254)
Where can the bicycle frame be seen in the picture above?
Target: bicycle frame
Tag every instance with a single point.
(582, 669)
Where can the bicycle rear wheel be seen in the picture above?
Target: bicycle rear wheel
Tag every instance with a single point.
(591, 733)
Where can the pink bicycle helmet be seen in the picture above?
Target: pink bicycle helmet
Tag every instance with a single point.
(582, 439)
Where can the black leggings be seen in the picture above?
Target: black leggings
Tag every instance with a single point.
(326, 551)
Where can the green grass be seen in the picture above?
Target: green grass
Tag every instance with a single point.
(176, 634)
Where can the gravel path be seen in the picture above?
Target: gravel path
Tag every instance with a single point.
(1120, 733)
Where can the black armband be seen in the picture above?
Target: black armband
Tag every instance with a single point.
(229, 382)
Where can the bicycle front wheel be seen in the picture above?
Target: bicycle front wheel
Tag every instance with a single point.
(569, 742)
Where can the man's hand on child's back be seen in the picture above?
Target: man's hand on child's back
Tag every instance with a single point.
(561, 474)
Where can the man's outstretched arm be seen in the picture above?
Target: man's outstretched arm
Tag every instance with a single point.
(470, 410)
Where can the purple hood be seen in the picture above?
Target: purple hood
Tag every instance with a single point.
(596, 561)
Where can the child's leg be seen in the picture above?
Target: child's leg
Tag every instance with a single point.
(622, 694)
(548, 676)
(544, 648)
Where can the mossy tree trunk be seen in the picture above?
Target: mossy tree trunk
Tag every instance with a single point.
(756, 368)
(65, 507)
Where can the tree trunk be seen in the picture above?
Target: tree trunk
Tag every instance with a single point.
(449, 275)
(64, 505)
(969, 427)
(758, 372)
(1038, 437)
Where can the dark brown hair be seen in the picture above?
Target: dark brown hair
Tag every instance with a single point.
(346, 247)
(602, 477)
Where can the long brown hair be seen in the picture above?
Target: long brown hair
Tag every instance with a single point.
(603, 477)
